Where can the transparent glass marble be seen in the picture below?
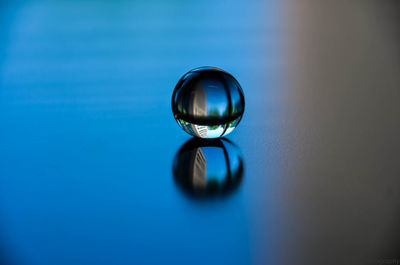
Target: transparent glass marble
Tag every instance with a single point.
(208, 102)
(208, 168)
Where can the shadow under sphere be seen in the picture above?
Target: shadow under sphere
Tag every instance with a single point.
(208, 168)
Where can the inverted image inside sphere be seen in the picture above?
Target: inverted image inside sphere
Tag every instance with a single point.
(208, 102)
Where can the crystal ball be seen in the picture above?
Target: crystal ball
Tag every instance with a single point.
(208, 102)
(208, 167)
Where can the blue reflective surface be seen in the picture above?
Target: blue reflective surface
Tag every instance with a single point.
(87, 138)
(208, 168)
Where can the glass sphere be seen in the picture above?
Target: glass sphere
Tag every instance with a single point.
(208, 168)
(208, 102)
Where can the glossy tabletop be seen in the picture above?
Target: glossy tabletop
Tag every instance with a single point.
(88, 139)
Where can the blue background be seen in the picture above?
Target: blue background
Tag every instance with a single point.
(88, 138)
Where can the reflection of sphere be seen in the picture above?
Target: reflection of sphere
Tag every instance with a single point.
(212, 167)
(208, 102)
